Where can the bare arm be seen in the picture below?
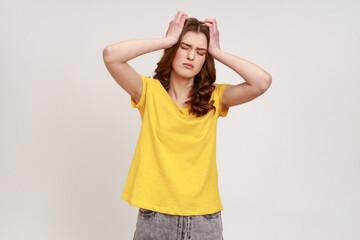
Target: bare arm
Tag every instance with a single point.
(116, 55)
(257, 80)
(127, 50)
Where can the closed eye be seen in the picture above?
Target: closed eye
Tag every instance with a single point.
(186, 48)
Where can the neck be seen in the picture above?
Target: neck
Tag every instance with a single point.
(180, 87)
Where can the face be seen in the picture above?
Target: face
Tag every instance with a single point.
(192, 51)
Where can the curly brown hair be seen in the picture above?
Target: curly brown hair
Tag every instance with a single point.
(203, 87)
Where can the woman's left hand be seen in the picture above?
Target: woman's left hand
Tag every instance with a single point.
(214, 43)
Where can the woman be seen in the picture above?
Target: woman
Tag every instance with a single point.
(173, 175)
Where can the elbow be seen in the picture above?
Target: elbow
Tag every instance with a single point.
(106, 55)
(111, 55)
(266, 82)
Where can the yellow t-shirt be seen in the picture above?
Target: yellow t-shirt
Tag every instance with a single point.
(174, 167)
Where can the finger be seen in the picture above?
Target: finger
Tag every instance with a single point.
(215, 25)
(179, 17)
(209, 26)
(177, 14)
(210, 23)
(184, 17)
(209, 20)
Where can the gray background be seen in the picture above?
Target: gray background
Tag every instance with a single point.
(288, 161)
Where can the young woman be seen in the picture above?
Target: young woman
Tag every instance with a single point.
(173, 176)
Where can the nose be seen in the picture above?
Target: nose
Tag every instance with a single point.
(190, 55)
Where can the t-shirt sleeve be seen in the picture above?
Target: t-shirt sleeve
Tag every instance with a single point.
(141, 103)
(221, 89)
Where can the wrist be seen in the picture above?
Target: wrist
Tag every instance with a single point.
(169, 41)
(215, 52)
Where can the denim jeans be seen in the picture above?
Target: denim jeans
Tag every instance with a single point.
(152, 225)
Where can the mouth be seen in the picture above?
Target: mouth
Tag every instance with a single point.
(188, 65)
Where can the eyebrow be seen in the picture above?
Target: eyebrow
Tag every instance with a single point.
(191, 46)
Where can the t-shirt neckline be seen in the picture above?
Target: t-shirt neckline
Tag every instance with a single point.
(177, 106)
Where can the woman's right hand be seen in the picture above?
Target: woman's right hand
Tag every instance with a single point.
(175, 27)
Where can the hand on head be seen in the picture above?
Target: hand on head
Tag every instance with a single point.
(214, 43)
(176, 26)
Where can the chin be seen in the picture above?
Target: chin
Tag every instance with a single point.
(185, 74)
(188, 74)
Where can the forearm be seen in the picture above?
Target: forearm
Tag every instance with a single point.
(127, 50)
(251, 73)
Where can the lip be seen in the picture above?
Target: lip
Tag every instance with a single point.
(188, 65)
